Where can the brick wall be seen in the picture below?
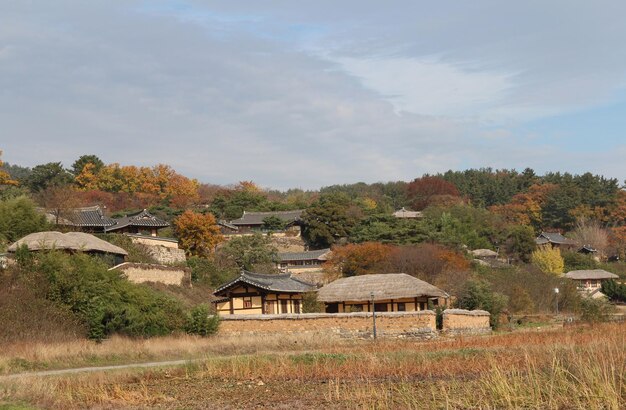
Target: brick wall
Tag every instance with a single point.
(405, 324)
(461, 321)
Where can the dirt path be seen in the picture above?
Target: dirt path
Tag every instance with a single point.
(62, 372)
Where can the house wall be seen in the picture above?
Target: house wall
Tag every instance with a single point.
(141, 273)
(461, 321)
(416, 324)
(249, 301)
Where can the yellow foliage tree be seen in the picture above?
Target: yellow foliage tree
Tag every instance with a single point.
(5, 178)
(548, 260)
(198, 234)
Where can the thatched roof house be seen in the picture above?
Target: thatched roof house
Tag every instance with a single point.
(589, 281)
(71, 241)
(392, 292)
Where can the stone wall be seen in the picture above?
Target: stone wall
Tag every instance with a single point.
(461, 321)
(405, 324)
(145, 272)
(166, 256)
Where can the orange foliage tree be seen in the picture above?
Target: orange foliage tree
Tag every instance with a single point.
(359, 259)
(525, 207)
(198, 234)
(431, 190)
(5, 178)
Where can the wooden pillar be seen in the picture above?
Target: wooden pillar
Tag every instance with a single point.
(263, 312)
(230, 303)
(416, 308)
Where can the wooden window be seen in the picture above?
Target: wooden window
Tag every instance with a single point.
(401, 307)
(380, 307)
(284, 306)
(247, 302)
(296, 306)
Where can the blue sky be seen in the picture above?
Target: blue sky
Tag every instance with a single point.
(298, 94)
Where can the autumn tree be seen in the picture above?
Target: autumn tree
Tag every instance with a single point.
(198, 234)
(591, 233)
(431, 190)
(79, 164)
(59, 201)
(5, 178)
(548, 260)
(359, 259)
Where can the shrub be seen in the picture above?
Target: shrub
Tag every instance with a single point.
(478, 295)
(310, 304)
(548, 260)
(594, 310)
(576, 261)
(200, 323)
(614, 291)
(207, 272)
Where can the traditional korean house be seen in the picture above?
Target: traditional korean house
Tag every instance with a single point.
(590, 281)
(405, 213)
(554, 240)
(302, 261)
(71, 242)
(387, 292)
(86, 219)
(251, 221)
(260, 294)
(141, 222)
(227, 228)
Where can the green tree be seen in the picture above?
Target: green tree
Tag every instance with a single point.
(520, 242)
(18, 218)
(79, 164)
(200, 323)
(578, 261)
(252, 252)
(616, 292)
(273, 223)
(389, 229)
(328, 220)
(207, 272)
(48, 175)
(478, 295)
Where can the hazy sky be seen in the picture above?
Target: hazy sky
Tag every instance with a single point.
(307, 94)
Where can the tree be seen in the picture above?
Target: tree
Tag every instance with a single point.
(590, 233)
(5, 178)
(198, 234)
(478, 295)
(328, 220)
(359, 259)
(252, 253)
(48, 175)
(389, 229)
(273, 223)
(548, 260)
(18, 218)
(430, 190)
(59, 200)
(79, 164)
(520, 242)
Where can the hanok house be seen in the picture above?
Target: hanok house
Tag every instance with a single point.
(590, 281)
(259, 293)
(302, 261)
(139, 223)
(387, 292)
(407, 214)
(554, 240)
(87, 219)
(70, 242)
(253, 221)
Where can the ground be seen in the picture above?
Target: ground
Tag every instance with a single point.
(576, 367)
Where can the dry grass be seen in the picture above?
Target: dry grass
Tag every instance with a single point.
(572, 368)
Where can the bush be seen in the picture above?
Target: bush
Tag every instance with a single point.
(200, 323)
(577, 261)
(310, 304)
(594, 310)
(614, 291)
(478, 295)
(207, 272)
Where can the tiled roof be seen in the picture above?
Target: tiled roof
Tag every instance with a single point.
(140, 219)
(91, 216)
(256, 218)
(228, 225)
(303, 256)
(276, 283)
(555, 237)
(590, 274)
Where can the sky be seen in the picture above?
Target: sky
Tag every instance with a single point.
(309, 94)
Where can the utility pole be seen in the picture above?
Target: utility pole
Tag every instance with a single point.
(373, 314)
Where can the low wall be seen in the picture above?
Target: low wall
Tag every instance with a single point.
(145, 272)
(165, 255)
(461, 321)
(388, 324)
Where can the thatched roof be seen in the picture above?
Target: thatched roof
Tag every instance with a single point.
(385, 286)
(75, 241)
(590, 274)
(484, 253)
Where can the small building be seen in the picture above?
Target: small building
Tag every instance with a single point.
(142, 222)
(302, 261)
(389, 292)
(259, 293)
(251, 221)
(86, 219)
(70, 242)
(405, 213)
(554, 240)
(590, 280)
(227, 228)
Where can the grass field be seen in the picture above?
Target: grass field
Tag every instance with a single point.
(569, 368)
